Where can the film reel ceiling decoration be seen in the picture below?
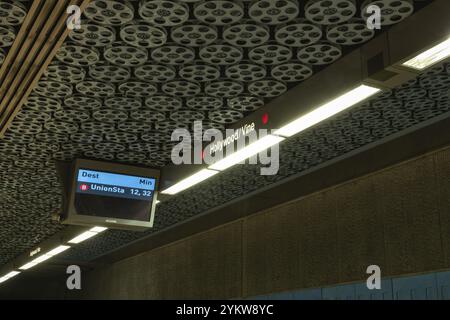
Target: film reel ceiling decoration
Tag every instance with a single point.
(136, 70)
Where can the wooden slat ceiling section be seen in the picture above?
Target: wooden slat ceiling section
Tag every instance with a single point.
(40, 36)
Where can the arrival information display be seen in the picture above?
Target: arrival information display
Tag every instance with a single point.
(108, 194)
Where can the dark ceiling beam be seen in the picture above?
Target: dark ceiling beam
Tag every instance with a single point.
(40, 37)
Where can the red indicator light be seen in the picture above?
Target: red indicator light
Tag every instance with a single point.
(265, 118)
(84, 187)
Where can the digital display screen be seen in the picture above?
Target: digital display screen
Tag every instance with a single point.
(113, 195)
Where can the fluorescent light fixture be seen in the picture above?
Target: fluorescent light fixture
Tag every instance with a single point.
(82, 237)
(157, 201)
(327, 110)
(430, 57)
(9, 276)
(190, 181)
(44, 257)
(246, 152)
(98, 229)
(87, 234)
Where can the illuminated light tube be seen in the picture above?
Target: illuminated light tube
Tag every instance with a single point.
(190, 181)
(87, 235)
(157, 201)
(430, 57)
(246, 152)
(44, 257)
(327, 110)
(9, 276)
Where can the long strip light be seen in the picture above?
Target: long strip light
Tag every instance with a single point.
(87, 235)
(190, 181)
(430, 57)
(327, 110)
(247, 152)
(44, 257)
(9, 276)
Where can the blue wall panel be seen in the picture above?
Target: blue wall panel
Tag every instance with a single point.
(421, 287)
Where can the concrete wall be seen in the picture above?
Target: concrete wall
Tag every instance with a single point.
(398, 218)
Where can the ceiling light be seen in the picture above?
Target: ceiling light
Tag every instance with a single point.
(57, 250)
(430, 57)
(190, 181)
(247, 152)
(9, 276)
(82, 237)
(327, 110)
(157, 201)
(44, 257)
(98, 229)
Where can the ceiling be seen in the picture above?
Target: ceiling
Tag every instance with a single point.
(137, 70)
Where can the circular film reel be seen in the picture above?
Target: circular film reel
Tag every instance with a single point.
(93, 35)
(144, 147)
(96, 89)
(141, 34)
(173, 54)
(73, 54)
(392, 11)
(102, 155)
(52, 137)
(96, 127)
(163, 13)
(439, 94)
(110, 147)
(221, 54)
(187, 116)
(31, 128)
(194, 35)
(12, 13)
(132, 157)
(89, 138)
(199, 72)
(219, 12)
(353, 32)
(291, 71)
(109, 73)
(134, 126)
(225, 116)
(64, 73)
(32, 116)
(270, 54)
(434, 82)
(181, 88)
(7, 36)
(122, 54)
(298, 33)
(224, 88)
(155, 137)
(71, 115)
(245, 103)
(61, 127)
(147, 116)
(267, 88)
(53, 89)
(328, 12)
(123, 103)
(138, 89)
(155, 73)
(121, 137)
(110, 115)
(273, 12)
(79, 102)
(169, 126)
(410, 93)
(207, 125)
(321, 53)
(43, 146)
(246, 34)
(107, 12)
(246, 72)
(204, 103)
(163, 103)
(43, 104)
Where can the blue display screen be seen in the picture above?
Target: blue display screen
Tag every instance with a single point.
(116, 195)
